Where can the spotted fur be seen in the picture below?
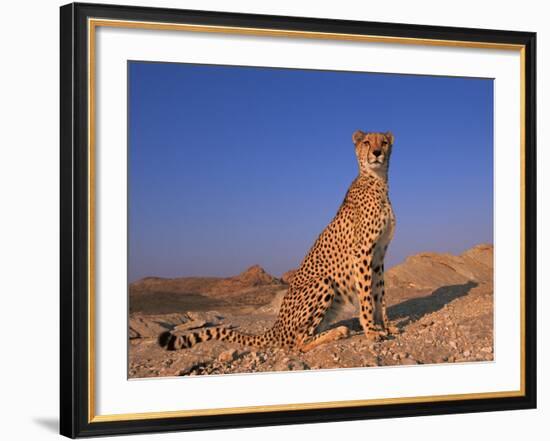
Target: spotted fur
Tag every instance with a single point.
(345, 265)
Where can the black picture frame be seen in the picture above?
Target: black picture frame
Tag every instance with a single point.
(75, 413)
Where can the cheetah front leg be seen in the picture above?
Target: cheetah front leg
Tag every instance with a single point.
(363, 287)
(378, 291)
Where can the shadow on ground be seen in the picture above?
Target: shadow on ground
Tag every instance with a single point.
(414, 309)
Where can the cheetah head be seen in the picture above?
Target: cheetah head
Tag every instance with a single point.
(373, 151)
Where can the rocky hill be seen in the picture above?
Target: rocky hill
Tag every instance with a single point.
(156, 295)
(442, 303)
(252, 277)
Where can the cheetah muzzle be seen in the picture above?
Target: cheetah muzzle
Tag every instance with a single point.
(344, 265)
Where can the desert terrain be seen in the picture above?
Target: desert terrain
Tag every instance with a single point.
(442, 304)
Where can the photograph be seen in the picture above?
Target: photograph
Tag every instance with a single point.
(285, 219)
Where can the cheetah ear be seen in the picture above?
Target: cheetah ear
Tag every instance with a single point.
(389, 137)
(358, 136)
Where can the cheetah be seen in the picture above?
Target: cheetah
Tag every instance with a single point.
(344, 266)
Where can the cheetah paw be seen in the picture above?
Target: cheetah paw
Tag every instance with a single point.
(392, 330)
(375, 335)
(342, 332)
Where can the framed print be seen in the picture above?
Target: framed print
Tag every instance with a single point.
(273, 220)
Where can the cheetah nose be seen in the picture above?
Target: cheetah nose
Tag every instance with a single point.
(377, 153)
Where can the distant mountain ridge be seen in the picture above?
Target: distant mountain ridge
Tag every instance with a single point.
(420, 272)
(254, 276)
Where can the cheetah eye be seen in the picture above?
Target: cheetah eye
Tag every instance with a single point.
(384, 143)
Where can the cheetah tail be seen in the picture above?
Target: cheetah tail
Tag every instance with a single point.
(172, 342)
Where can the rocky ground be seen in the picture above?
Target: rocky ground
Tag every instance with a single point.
(442, 304)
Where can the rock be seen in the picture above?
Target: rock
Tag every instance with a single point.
(192, 324)
(408, 361)
(452, 344)
(256, 357)
(297, 365)
(150, 326)
(466, 353)
(228, 356)
(255, 276)
(199, 320)
(210, 317)
(293, 363)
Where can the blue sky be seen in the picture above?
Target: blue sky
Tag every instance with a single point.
(235, 166)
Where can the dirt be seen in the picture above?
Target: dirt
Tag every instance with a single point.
(441, 303)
